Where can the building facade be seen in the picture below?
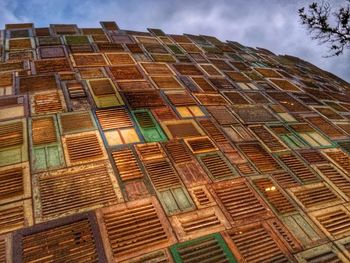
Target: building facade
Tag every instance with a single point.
(125, 146)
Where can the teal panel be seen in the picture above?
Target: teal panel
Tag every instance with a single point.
(182, 199)
(148, 126)
(168, 202)
(211, 247)
(10, 156)
(39, 159)
(54, 156)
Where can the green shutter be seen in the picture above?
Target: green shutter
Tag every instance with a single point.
(108, 101)
(210, 249)
(345, 145)
(47, 157)
(76, 40)
(104, 93)
(149, 127)
(175, 200)
(10, 156)
(13, 141)
(293, 141)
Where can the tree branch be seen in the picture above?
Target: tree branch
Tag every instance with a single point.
(317, 21)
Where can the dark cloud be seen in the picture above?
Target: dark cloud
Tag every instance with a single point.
(272, 24)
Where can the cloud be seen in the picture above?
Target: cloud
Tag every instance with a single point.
(272, 24)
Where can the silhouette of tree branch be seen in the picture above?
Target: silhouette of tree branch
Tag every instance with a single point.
(328, 27)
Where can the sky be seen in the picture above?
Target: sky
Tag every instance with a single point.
(271, 24)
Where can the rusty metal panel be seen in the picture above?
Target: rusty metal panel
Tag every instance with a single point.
(200, 145)
(324, 253)
(127, 164)
(336, 178)
(339, 158)
(6, 248)
(285, 179)
(311, 136)
(343, 245)
(265, 247)
(204, 84)
(202, 197)
(15, 183)
(16, 215)
(37, 83)
(74, 122)
(109, 25)
(148, 230)
(187, 69)
(126, 72)
(191, 225)
(48, 40)
(44, 131)
(288, 137)
(237, 76)
(181, 129)
(119, 58)
(315, 196)
(211, 99)
(114, 118)
(326, 127)
(288, 102)
(89, 60)
(74, 192)
(51, 52)
(222, 115)
(91, 73)
(144, 99)
(168, 58)
(268, 72)
(189, 170)
(313, 156)
(74, 237)
(47, 103)
(210, 70)
(180, 98)
(285, 85)
(77, 97)
(254, 114)
(162, 174)
(217, 166)
(298, 167)
(134, 85)
(52, 65)
(104, 93)
(166, 82)
(213, 131)
(240, 203)
(259, 157)
(150, 151)
(157, 256)
(46, 151)
(83, 148)
(267, 138)
(327, 219)
(164, 114)
(274, 195)
(152, 68)
(19, 44)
